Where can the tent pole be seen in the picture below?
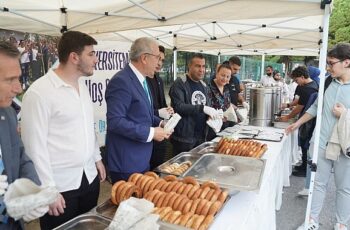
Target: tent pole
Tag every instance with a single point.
(175, 64)
(262, 65)
(322, 66)
(219, 58)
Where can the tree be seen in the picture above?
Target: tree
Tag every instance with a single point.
(339, 28)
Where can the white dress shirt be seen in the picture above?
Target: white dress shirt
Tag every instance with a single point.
(141, 78)
(58, 132)
(267, 80)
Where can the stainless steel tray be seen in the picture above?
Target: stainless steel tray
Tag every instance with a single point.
(230, 172)
(182, 157)
(206, 147)
(87, 221)
(107, 209)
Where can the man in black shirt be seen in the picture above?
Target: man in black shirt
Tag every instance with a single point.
(160, 108)
(307, 87)
(189, 98)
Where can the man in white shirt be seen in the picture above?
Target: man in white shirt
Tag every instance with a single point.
(58, 131)
(267, 80)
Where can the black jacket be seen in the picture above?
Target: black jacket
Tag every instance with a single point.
(180, 94)
(161, 94)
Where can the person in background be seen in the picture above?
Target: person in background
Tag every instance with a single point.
(13, 160)
(219, 95)
(234, 84)
(189, 98)
(336, 103)
(161, 110)
(314, 74)
(267, 80)
(58, 131)
(280, 82)
(307, 87)
(131, 123)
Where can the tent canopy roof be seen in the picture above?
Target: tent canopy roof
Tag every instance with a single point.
(213, 26)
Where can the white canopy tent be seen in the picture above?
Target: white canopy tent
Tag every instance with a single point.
(285, 27)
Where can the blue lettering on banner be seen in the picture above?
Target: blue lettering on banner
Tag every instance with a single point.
(111, 60)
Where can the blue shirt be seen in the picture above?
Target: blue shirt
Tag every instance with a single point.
(337, 92)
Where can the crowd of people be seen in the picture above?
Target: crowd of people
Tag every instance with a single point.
(57, 128)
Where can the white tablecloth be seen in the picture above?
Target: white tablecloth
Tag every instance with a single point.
(257, 210)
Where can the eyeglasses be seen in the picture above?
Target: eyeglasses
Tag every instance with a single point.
(157, 56)
(331, 64)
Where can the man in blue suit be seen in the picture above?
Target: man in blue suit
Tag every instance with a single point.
(131, 123)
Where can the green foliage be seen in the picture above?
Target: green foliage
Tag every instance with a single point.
(339, 28)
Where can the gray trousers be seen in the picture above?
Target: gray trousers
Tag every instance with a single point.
(342, 183)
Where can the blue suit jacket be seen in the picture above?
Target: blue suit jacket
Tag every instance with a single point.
(129, 118)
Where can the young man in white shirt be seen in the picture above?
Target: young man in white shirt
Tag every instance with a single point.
(58, 131)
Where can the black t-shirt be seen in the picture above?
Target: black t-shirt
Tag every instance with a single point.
(198, 98)
(234, 88)
(305, 91)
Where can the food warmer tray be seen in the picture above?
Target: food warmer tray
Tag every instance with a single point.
(269, 136)
(230, 172)
(182, 157)
(89, 221)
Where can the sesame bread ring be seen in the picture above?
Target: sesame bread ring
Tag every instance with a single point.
(152, 174)
(140, 180)
(161, 199)
(135, 177)
(132, 177)
(215, 195)
(166, 199)
(154, 183)
(129, 192)
(222, 197)
(172, 200)
(177, 221)
(119, 190)
(210, 194)
(176, 186)
(170, 178)
(156, 197)
(206, 222)
(190, 180)
(210, 184)
(150, 195)
(187, 189)
(164, 212)
(182, 204)
(197, 222)
(171, 186)
(195, 205)
(146, 179)
(167, 216)
(214, 208)
(156, 210)
(160, 184)
(121, 195)
(206, 207)
(165, 186)
(181, 188)
(185, 218)
(200, 206)
(192, 191)
(190, 221)
(114, 191)
(178, 201)
(204, 192)
(187, 207)
(174, 216)
(136, 192)
(197, 194)
(147, 186)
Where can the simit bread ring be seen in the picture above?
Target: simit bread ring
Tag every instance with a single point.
(156, 197)
(152, 174)
(190, 180)
(210, 194)
(187, 207)
(214, 208)
(145, 180)
(187, 189)
(197, 194)
(190, 221)
(177, 202)
(197, 222)
(177, 186)
(134, 191)
(170, 178)
(172, 200)
(164, 212)
(161, 199)
(154, 183)
(182, 204)
(200, 206)
(140, 180)
(192, 191)
(185, 218)
(210, 184)
(150, 195)
(215, 195)
(204, 192)
(206, 222)
(166, 199)
(177, 221)
(147, 186)
(174, 216)
(114, 191)
(121, 196)
(195, 205)
(171, 186)
(222, 197)
(160, 184)
(205, 208)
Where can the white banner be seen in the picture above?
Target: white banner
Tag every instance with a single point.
(112, 57)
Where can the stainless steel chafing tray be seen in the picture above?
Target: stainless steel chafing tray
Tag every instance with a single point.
(231, 172)
(107, 209)
(206, 147)
(88, 221)
(182, 157)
